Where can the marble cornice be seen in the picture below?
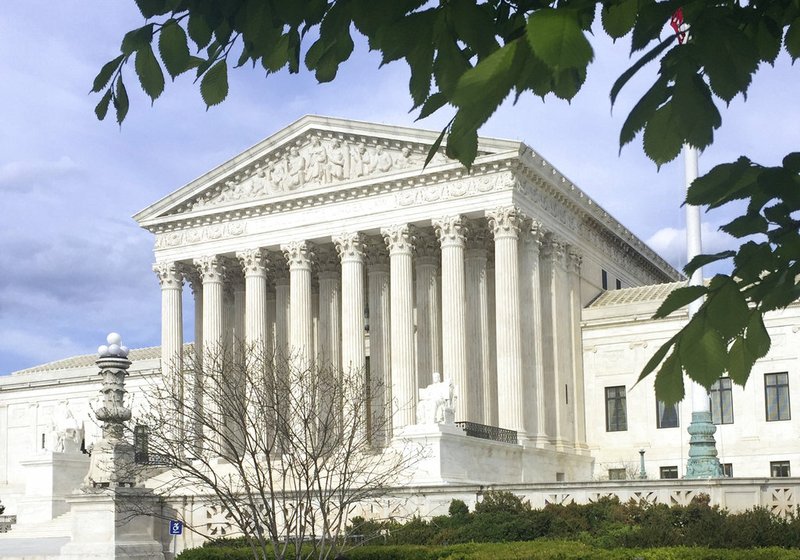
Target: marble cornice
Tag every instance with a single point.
(226, 218)
(541, 183)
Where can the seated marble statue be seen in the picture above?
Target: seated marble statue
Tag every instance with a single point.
(66, 433)
(437, 402)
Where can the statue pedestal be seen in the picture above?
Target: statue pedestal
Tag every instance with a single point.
(49, 479)
(111, 523)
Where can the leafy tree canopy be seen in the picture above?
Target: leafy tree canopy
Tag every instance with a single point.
(468, 56)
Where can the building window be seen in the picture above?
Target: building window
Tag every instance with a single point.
(617, 474)
(619, 284)
(666, 415)
(669, 472)
(721, 396)
(140, 444)
(779, 469)
(727, 470)
(616, 413)
(604, 276)
(776, 394)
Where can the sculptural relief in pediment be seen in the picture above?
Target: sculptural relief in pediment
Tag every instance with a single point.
(311, 162)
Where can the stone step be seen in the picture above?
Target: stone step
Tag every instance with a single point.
(60, 526)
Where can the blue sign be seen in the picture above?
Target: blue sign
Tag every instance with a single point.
(175, 527)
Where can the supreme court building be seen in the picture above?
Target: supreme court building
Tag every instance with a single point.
(331, 240)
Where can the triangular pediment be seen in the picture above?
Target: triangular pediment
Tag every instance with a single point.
(312, 154)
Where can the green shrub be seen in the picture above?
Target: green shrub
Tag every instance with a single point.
(501, 502)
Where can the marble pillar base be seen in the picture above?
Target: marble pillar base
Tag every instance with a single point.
(49, 478)
(446, 455)
(114, 523)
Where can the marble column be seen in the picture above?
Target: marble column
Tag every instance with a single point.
(330, 327)
(531, 294)
(429, 358)
(254, 263)
(170, 278)
(212, 271)
(505, 224)
(379, 337)
(299, 255)
(451, 231)
(490, 402)
(350, 247)
(193, 390)
(282, 303)
(477, 313)
(578, 403)
(400, 241)
(239, 312)
(547, 255)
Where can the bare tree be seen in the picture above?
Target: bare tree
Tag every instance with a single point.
(285, 448)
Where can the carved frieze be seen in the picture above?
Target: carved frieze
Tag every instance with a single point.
(198, 235)
(312, 161)
(455, 189)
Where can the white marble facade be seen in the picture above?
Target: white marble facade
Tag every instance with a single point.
(489, 277)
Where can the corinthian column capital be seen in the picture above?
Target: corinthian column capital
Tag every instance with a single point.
(299, 254)
(350, 246)
(254, 262)
(505, 222)
(574, 260)
(451, 230)
(399, 238)
(169, 274)
(211, 268)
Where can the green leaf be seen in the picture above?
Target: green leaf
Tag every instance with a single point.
(432, 104)
(702, 351)
(150, 8)
(695, 115)
(726, 308)
(473, 24)
(757, 338)
(669, 381)
(792, 39)
(643, 110)
(740, 361)
(662, 140)
(437, 144)
(199, 29)
(657, 358)
(278, 56)
(102, 108)
(729, 57)
(108, 69)
(679, 298)
(767, 37)
(174, 48)
(792, 162)
(699, 261)
(556, 37)
(149, 72)
(723, 184)
(120, 99)
(652, 54)
(744, 226)
(136, 39)
(618, 18)
(214, 86)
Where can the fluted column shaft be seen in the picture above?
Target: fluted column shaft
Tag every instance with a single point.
(379, 338)
(330, 339)
(171, 280)
(254, 263)
(578, 408)
(490, 402)
(301, 335)
(399, 240)
(451, 231)
(429, 357)
(532, 341)
(282, 302)
(350, 247)
(478, 355)
(505, 223)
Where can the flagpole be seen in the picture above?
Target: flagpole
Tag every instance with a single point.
(703, 461)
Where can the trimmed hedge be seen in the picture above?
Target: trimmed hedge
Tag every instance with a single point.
(536, 550)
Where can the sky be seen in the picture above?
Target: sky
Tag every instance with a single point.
(75, 266)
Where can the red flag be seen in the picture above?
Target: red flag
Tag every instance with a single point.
(676, 21)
